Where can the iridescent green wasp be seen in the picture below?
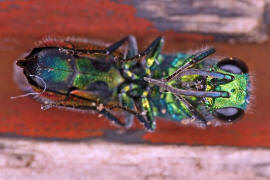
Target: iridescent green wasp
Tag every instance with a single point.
(83, 75)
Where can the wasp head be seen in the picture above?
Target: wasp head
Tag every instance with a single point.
(232, 107)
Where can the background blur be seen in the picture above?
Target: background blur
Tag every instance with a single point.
(37, 144)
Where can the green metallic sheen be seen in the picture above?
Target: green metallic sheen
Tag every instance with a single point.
(237, 88)
(55, 69)
(167, 102)
(86, 74)
(107, 79)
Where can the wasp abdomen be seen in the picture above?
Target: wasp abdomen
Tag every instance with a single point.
(61, 71)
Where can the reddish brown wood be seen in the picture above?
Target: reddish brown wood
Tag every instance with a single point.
(24, 22)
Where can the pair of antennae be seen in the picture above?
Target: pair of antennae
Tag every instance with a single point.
(32, 93)
(179, 93)
(183, 70)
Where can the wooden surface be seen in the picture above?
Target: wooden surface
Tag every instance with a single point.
(24, 22)
(58, 144)
(21, 159)
(226, 20)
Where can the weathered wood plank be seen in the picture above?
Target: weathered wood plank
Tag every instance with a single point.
(27, 159)
(230, 19)
(25, 22)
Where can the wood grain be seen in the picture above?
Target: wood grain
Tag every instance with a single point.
(227, 20)
(21, 159)
(25, 22)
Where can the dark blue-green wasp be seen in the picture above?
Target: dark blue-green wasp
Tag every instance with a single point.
(84, 75)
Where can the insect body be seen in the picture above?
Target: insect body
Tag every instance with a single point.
(85, 76)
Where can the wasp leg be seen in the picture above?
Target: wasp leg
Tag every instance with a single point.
(127, 73)
(152, 51)
(112, 118)
(146, 52)
(148, 113)
(128, 102)
(185, 92)
(147, 124)
(195, 114)
(152, 58)
(132, 49)
(217, 75)
(87, 51)
(130, 55)
(194, 59)
(103, 111)
(151, 48)
(144, 106)
(46, 106)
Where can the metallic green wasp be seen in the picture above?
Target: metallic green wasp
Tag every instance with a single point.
(84, 75)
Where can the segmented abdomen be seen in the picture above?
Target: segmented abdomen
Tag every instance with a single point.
(63, 72)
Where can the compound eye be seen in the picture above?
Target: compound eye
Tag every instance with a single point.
(233, 65)
(228, 114)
